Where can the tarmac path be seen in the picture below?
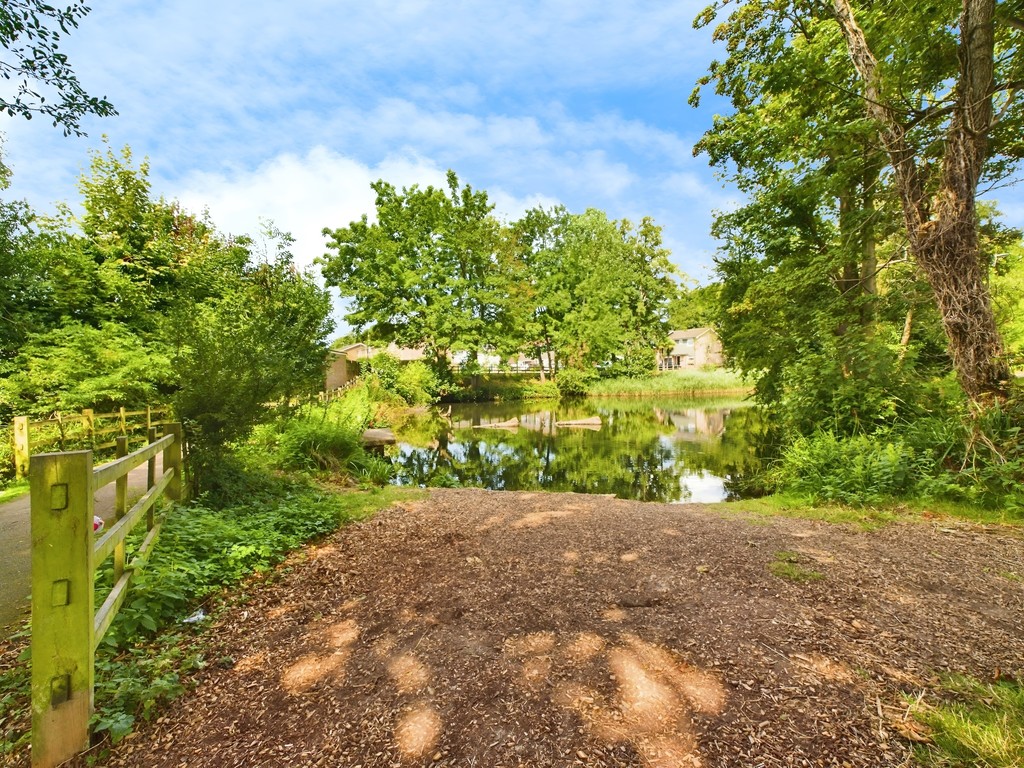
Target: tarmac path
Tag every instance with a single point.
(16, 542)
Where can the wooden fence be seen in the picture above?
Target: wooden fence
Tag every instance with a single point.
(78, 430)
(66, 626)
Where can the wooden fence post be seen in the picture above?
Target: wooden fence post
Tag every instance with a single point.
(123, 420)
(120, 504)
(62, 605)
(172, 458)
(150, 478)
(89, 425)
(21, 447)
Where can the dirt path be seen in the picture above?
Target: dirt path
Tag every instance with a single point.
(16, 542)
(508, 629)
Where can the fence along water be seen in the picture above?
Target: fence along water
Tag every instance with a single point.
(66, 627)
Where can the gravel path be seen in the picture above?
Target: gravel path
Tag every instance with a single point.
(491, 629)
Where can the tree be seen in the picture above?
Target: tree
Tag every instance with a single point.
(935, 93)
(426, 273)
(260, 337)
(30, 33)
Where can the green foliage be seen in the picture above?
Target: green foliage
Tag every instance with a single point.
(78, 366)
(693, 382)
(417, 383)
(30, 32)
(981, 724)
(385, 367)
(855, 470)
(438, 271)
(426, 273)
(574, 382)
(262, 339)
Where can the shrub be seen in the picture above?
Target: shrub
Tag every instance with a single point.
(417, 383)
(857, 470)
(573, 382)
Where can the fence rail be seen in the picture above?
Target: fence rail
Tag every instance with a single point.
(77, 430)
(66, 626)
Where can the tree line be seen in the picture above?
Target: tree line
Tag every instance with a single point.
(137, 301)
(436, 269)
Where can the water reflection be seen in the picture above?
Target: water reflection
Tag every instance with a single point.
(651, 450)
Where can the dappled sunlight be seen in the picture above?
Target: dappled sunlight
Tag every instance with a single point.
(571, 556)
(629, 557)
(702, 689)
(824, 667)
(418, 730)
(342, 634)
(279, 611)
(313, 667)
(310, 669)
(409, 674)
(655, 694)
(671, 532)
(251, 663)
(615, 615)
(489, 523)
(584, 647)
(537, 642)
(536, 519)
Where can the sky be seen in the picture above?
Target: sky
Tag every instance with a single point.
(256, 111)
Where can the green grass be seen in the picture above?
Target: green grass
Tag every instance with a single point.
(867, 517)
(15, 490)
(696, 382)
(981, 726)
(787, 566)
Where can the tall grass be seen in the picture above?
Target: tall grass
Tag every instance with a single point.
(696, 382)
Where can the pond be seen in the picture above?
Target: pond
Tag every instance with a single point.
(663, 449)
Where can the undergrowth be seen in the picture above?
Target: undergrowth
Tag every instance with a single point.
(149, 652)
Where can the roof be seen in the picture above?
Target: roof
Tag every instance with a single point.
(689, 333)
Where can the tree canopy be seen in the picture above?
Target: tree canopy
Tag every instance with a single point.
(861, 136)
(437, 270)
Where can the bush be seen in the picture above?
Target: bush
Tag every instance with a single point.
(385, 367)
(417, 383)
(573, 382)
(857, 470)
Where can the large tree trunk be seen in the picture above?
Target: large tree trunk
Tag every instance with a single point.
(943, 231)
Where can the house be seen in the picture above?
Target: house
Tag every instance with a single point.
(343, 363)
(692, 348)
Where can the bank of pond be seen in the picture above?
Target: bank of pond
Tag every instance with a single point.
(651, 449)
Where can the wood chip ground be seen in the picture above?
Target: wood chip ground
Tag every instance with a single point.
(491, 629)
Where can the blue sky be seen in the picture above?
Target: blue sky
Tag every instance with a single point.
(254, 111)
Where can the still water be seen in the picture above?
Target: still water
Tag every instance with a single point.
(672, 450)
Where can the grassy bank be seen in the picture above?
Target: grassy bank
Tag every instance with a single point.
(698, 383)
(516, 387)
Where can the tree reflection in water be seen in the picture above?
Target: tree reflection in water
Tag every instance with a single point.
(646, 449)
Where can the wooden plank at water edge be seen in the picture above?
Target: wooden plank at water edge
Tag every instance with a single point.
(62, 605)
(378, 438)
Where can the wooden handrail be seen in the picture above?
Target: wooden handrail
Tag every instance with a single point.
(107, 473)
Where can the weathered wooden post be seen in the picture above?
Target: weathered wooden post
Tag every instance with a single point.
(62, 605)
(122, 420)
(21, 447)
(89, 425)
(172, 459)
(120, 504)
(150, 478)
